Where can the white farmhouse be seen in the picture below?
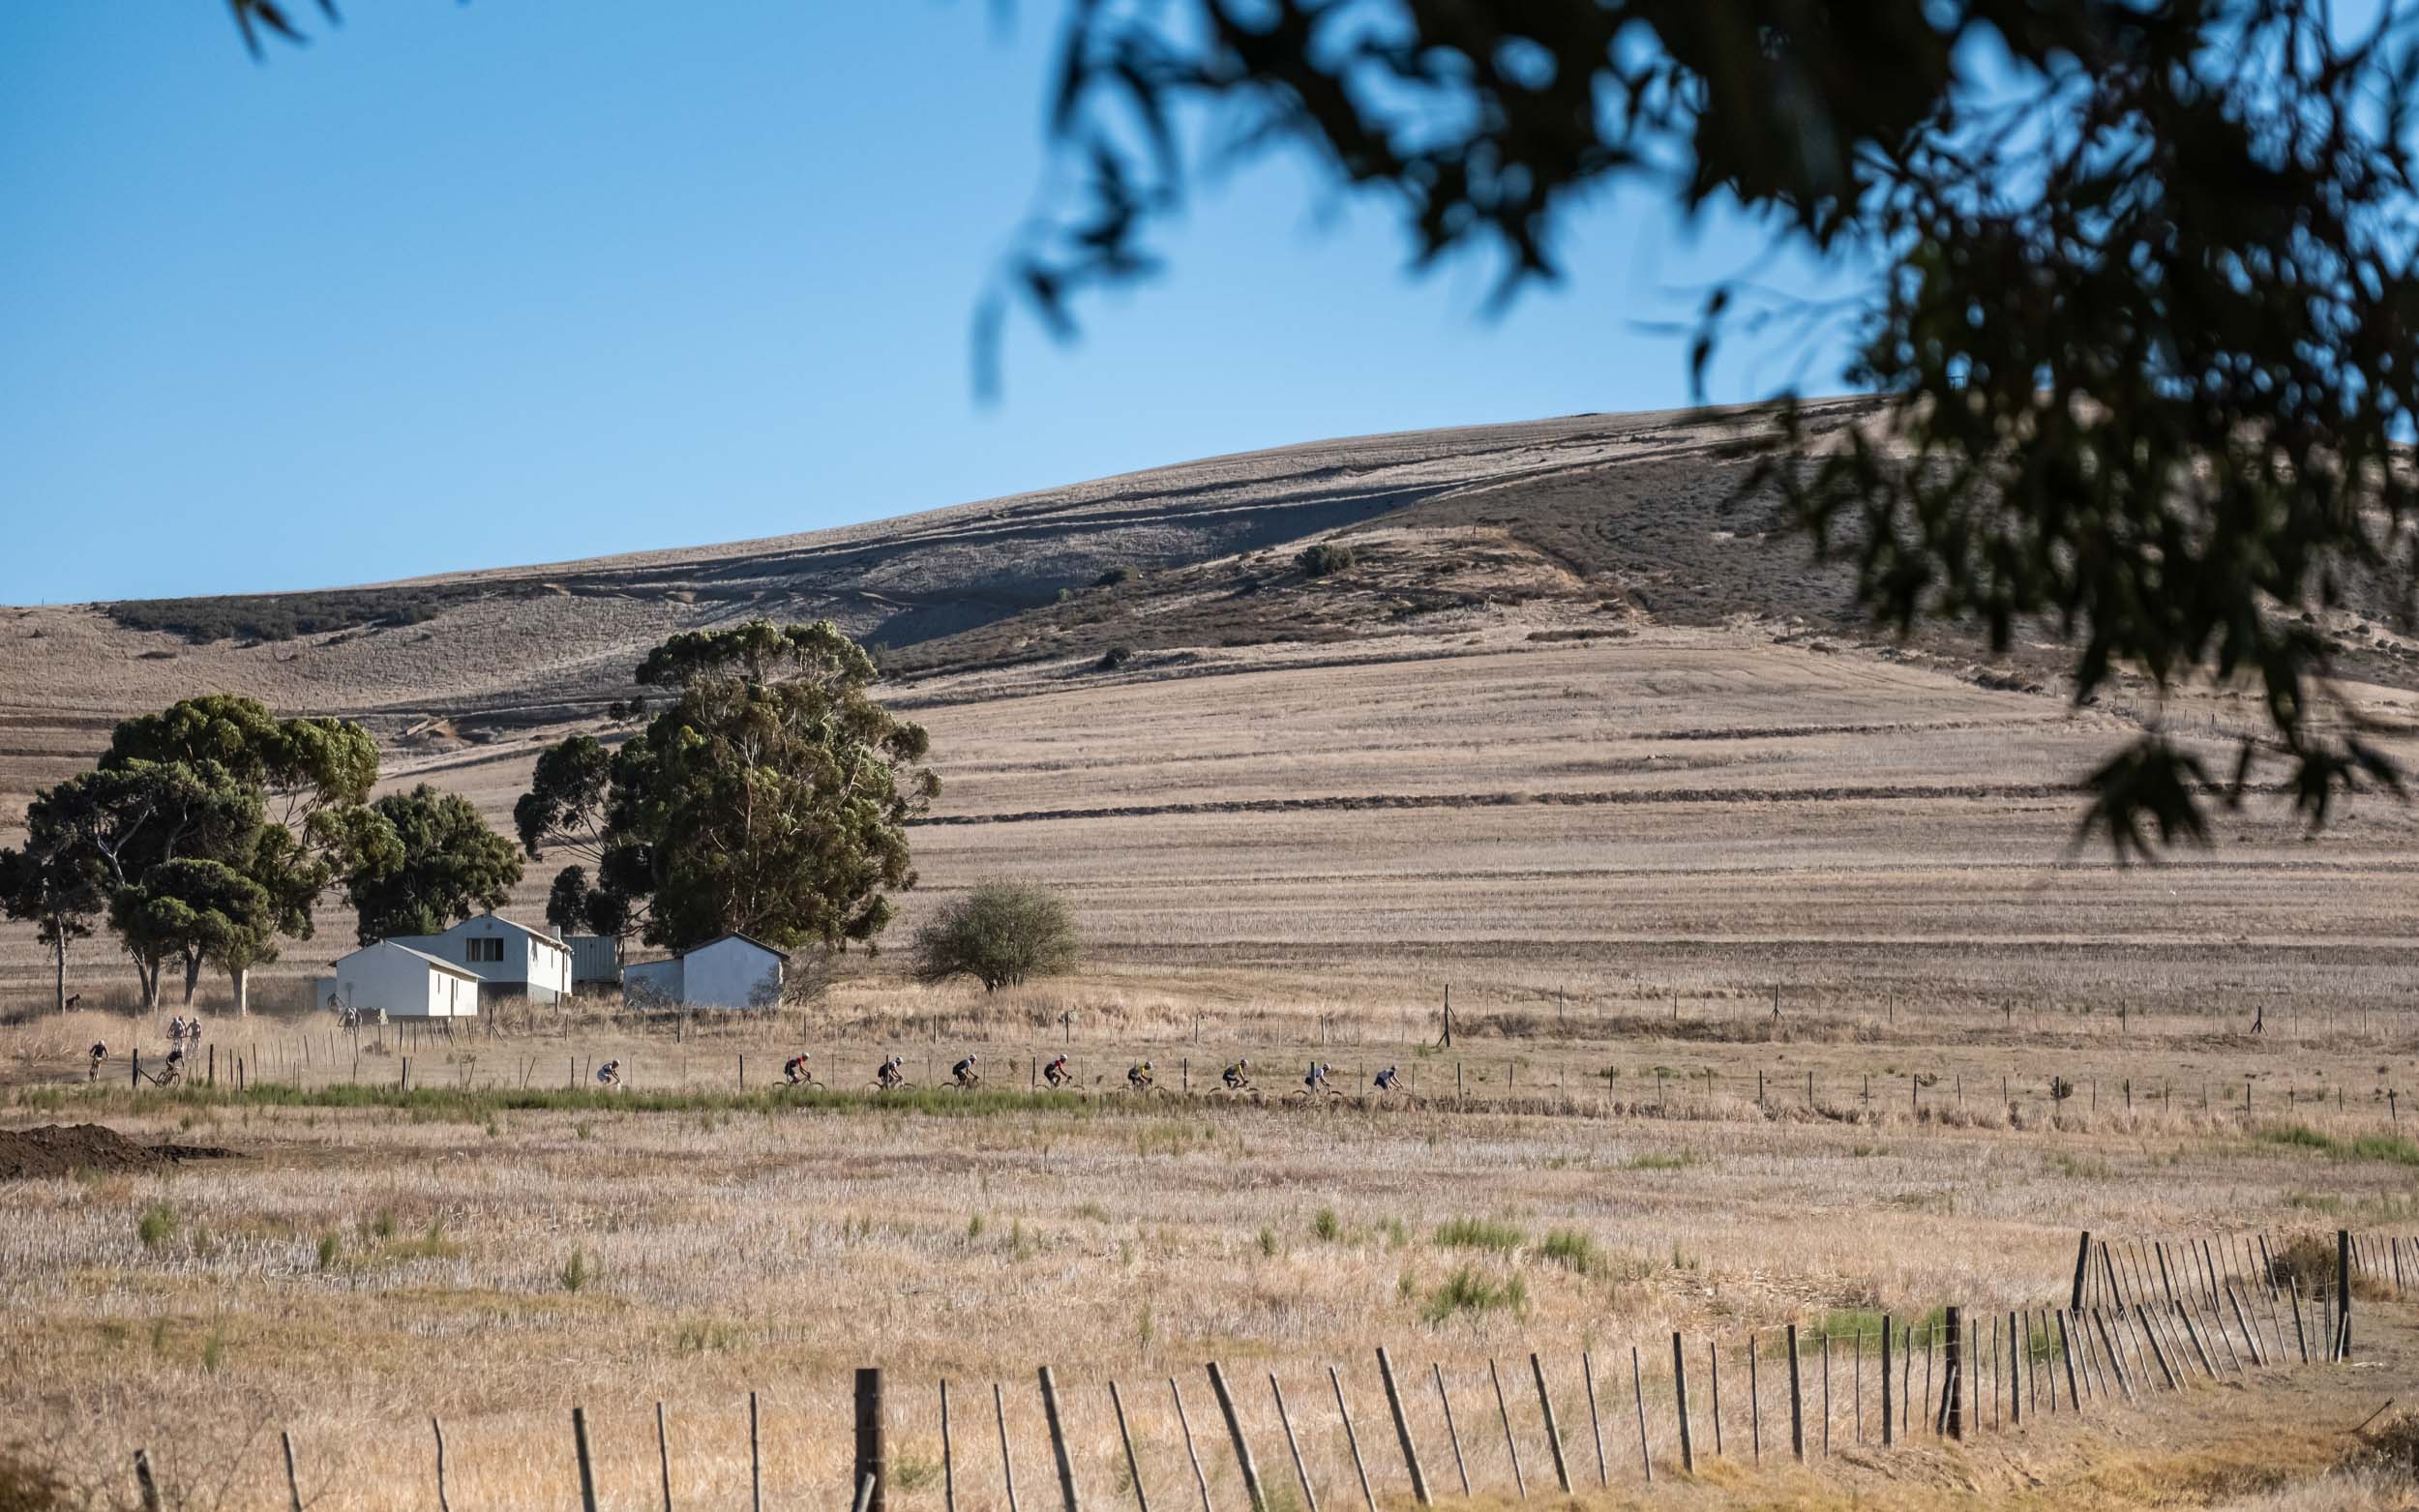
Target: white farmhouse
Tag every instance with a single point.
(509, 959)
(401, 982)
(727, 972)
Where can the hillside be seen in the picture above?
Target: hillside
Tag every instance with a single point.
(1577, 709)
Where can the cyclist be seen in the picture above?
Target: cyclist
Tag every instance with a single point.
(1138, 1077)
(1315, 1078)
(1388, 1082)
(798, 1069)
(965, 1074)
(1057, 1074)
(609, 1074)
(890, 1075)
(93, 1059)
(1238, 1077)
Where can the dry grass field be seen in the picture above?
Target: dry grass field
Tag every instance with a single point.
(1576, 739)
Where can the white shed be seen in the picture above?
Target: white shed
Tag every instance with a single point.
(727, 972)
(510, 959)
(403, 983)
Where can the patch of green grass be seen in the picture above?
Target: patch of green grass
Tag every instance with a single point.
(1094, 1211)
(2390, 1148)
(1479, 1233)
(2079, 1167)
(157, 1223)
(1660, 1160)
(381, 1226)
(1572, 1250)
(706, 1336)
(1267, 1242)
(1467, 1290)
(328, 1248)
(1327, 1226)
(575, 1272)
(914, 1472)
(212, 1352)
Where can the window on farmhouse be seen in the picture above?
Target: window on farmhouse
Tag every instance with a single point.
(483, 950)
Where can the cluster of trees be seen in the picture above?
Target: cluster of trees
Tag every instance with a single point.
(208, 832)
(769, 796)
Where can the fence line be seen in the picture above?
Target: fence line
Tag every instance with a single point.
(1980, 1373)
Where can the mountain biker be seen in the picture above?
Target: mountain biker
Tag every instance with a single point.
(889, 1075)
(798, 1069)
(94, 1057)
(1387, 1081)
(1057, 1074)
(1138, 1077)
(1316, 1080)
(1238, 1077)
(176, 1030)
(609, 1074)
(963, 1071)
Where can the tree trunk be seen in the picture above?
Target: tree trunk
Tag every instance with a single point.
(58, 981)
(147, 975)
(241, 979)
(193, 974)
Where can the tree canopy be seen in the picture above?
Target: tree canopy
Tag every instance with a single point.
(207, 831)
(449, 865)
(770, 797)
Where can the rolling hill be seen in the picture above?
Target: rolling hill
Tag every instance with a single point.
(1578, 706)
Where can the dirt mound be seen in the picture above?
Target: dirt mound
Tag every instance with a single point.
(59, 1149)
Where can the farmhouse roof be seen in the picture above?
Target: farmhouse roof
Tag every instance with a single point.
(770, 950)
(422, 955)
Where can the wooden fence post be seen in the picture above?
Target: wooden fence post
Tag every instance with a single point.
(2343, 1293)
(756, 1458)
(2083, 1261)
(1402, 1429)
(1595, 1426)
(147, 1489)
(1511, 1446)
(1302, 1473)
(443, 1503)
(1190, 1453)
(1638, 1389)
(869, 1445)
(1553, 1432)
(1242, 1445)
(1007, 1464)
(1452, 1435)
(1133, 1465)
(1952, 1381)
(1888, 1436)
(1057, 1443)
(1680, 1391)
(1352, 1437)
(1797, 1402)
(588, 1471)
(663, 1456)
(293, 1487)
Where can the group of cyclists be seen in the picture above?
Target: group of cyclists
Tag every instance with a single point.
(966, 1075)
(184, 1038)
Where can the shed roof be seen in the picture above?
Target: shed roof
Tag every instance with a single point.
(446, 966)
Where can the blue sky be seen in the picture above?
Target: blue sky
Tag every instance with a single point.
(462, 286)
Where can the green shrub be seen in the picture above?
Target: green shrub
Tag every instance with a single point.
(1115, 657)
(1478, 1234)
(1572, 1250)
(327, 1250)
(1000, 933)
(1323, 557)
(157, 1223)
(1466, 1290)
(1327, 1226)
(575, 1272)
